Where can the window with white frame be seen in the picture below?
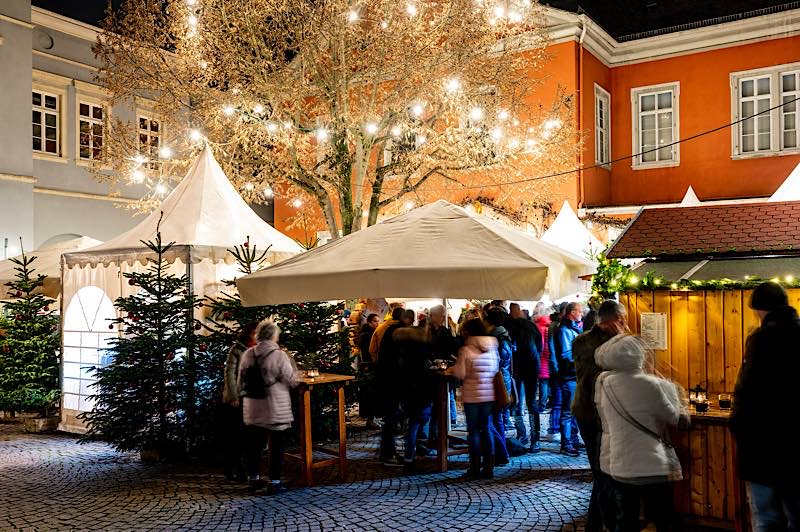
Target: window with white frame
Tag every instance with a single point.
(602, 126)
(655, 125)
(765, 109)
(149, 130)
(91, 130)
(46, 123)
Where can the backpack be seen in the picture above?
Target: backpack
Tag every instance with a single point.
(253, 385)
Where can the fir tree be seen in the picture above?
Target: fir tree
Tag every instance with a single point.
(146, 398)
(30, 346)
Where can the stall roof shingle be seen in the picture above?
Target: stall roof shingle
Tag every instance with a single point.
(738, 230)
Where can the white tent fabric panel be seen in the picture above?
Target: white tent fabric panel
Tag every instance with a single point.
(789, 189)
(568, 232)
(435, 251)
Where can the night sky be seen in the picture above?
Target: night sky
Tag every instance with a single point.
(88, 11)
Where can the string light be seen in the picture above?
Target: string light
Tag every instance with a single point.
(258, 109)
(496, 133)
(321, 134)
(396, 131)
(287, 125)
(352, 16)
(191, 3)
(268, 193)
(137, 176)
(272, 127)
(228, 110)
(384, 24)
(165, 152)
(633, 280)
(502, 115)
(453, 85)
(408, 205)
(789, 278)
(552, 123)
(191, 20)
(140, 159)
(195, 135)
(249, 186)
(297, 203)
(513, 143)
(161, 189)
(417, 109)
(674, 286)
(514, 16)
(499, 11)
(421, 139)
(411, 9)
(476, 114)
(371, 128)
(203, 64)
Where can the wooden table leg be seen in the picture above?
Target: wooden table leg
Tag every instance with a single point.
(442, 403)
(342, 435)
(306, 445)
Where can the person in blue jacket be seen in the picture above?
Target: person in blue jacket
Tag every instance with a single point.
(569, 329)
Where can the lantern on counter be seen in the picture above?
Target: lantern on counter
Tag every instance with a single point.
(699, 398)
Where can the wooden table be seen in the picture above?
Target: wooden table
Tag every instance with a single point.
(442, 406)
(711, 493)
(307, 448)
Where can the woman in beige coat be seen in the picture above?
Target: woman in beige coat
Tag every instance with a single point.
(267, 408)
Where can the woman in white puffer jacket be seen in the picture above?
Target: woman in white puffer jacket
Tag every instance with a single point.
(636, 410)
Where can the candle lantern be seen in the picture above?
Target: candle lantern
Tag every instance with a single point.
(699, 398)
(312, 373)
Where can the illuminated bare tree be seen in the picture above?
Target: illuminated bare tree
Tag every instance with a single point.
(364, 107)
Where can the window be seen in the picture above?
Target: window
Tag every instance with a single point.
(602, 126)
(45, 119)
(150, 138)
(91, 126)
(763, 131)
(655, 127)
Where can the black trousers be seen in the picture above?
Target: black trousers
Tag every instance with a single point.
(232, 439)
(658, 506)
(602, 503)
(256, 443)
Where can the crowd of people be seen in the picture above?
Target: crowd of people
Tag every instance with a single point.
(599, 382)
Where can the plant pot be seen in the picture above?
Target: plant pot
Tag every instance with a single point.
(38, 425)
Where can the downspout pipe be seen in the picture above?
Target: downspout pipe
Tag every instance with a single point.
(579, 91)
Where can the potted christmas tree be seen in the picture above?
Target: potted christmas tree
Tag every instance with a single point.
(29, 350)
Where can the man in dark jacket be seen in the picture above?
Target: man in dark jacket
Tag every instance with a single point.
(611, 317)
(528, 346)
(443, 347)
(764, 394)
(569, 330)
(390, 389)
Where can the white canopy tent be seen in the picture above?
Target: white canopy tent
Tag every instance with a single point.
(48, 262)
(435, 251)
(789, 189)
(568, 233)
(204, 216)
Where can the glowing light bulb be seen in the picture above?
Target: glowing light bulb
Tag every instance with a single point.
(515, 122)
(297, 203)
(496, 133)
(396, 131)
(137, 176)
(258, 108)
(657, 282)
(249, 186)
(287, 125)
(421, 139)
(552, 123)
(408, 205)
(502, 115)
(235, 90)
(165, 152)
(140, 159)
(514, 16)
(228, 110)
(513, 143)
(203, 64)
(268, 193)
(352, 16)
(195, 135)
(476, 114)
(321, 134)
(417, 109)
(531, 143)
(371, 128)
(499, 11)
(384, 24)
(633, 280)
(161, 189)
(272, 127)
(191, 20)
(674, 286)
(411, 9)
(789, 278)
(453, 85)
(191, 3)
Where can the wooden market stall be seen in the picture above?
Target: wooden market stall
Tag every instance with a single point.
(690, 297)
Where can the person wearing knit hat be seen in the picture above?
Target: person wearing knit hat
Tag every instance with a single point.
(764, 394)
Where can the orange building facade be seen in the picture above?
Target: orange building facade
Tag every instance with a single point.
(644, 94)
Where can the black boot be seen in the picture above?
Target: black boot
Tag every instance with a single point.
(474, 471)
(488, 467)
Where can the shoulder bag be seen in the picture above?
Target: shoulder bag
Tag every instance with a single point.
(253, 384)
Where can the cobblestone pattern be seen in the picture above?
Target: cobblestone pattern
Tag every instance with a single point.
(49, 482)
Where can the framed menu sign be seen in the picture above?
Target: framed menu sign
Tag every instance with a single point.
(654, 329)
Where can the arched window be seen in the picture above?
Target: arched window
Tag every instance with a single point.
(86, 337)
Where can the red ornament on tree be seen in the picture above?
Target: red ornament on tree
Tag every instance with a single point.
(293, 315)
(197, 326)
(130, 315)
(47, 308)
(170, 355)
(339, 312)
(111, 326)
(226, 315)
(18, 294)
(6, 349)
(18, 317)
(246, 244)
(132, 282)
(301, 305)
(202, 347)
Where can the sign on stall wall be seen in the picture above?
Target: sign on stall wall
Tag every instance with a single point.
(653, 326)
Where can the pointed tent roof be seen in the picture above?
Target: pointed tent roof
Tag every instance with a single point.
(438, 250)
(690, 199)
(48, 262)
(789, 189)
(204, 215)
(568, 232)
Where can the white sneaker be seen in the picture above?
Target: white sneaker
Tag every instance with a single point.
(556, 438)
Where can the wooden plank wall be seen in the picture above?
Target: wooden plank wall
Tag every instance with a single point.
(705, 345)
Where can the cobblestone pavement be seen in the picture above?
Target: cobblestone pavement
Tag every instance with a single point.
(49, 482)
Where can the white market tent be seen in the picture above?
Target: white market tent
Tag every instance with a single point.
(568, 232)
(205, 216)
(789, 189)
(48, 262)
(435, 251)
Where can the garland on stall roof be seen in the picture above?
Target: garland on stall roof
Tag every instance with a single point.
(612, 276)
